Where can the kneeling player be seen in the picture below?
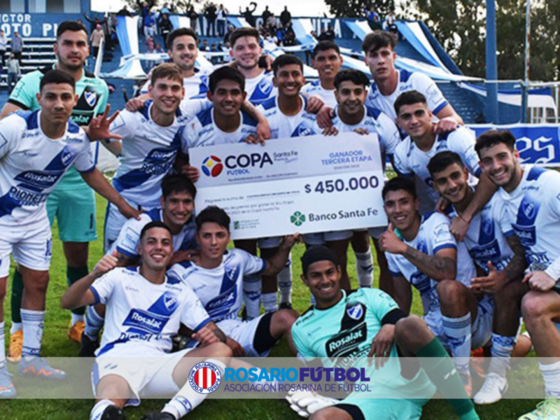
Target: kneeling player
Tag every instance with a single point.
(390, 333)
(145, 308)
(217, 279)
(426, 256)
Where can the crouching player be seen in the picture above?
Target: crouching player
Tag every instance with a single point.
(145, 308)
(218, 278)
(389, 333)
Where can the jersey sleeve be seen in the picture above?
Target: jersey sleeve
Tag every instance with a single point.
(145, 87)
(194, 315)
(103, 287)
(393, 267)
(401, 161)
(463, 143)
(379, 302)
(129, 237)
(250, 263)
(8, 135)
(388, 133)
(24, 93)
(84, 161)
(190, 108)
(440, 234)
(122, 125)
(434, 97)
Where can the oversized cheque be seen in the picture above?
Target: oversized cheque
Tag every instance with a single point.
(304, 184)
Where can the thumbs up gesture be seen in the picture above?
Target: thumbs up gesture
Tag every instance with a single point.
(389, 242)
(492, 282)
(106, 264)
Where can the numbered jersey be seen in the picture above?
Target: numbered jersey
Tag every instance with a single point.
(407, 81)
(195, 86)
(410, 160)
(341, 336)
(433, 236)
(129, 237)
(145, 313)
(203, 131)
(485, 239)
(284, 126)
(532, 211)
(260, 88)
(314, 88)
(31, 164)
(376, 122)
(220, 289)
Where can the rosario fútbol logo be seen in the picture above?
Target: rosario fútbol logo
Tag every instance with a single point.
(297, 218)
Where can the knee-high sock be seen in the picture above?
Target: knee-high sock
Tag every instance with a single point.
(270, 302)
(285, 282)
(32, 332)
(187, 399)
(364, 268)
(2, 346)
(551, 376)
(99, 408)
(17, 296)
(458, 333)
(442, 372)
(252, 286)
(73, 274)
(502, 348)
(94, 323)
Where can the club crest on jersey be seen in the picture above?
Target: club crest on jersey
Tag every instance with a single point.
(488, 227)
(529, 209)
(170, 302)
(205, 378)
(66, 156)
(265, 86)
(91, 98)
(231, 274)
(356, 311)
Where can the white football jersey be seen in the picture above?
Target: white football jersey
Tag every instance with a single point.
(129, 237)
(195, 86)
(284, 126)
(410, 160)
(260, 88)
(203, 131)
(140, 312)
(376, 122)
(31, 164)
(407, 81)
(433, 236)
(148, 152)
(314, 88)
(486, 239)
(220, 289)
(533, 212)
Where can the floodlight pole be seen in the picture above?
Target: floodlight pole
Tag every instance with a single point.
(525, 87)
(491, 64)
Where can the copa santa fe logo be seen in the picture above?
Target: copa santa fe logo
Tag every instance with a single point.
(212, 166)
(205, 378)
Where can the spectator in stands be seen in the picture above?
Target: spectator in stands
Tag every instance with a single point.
(165, 10)
(17, 46)
(205, 46)
(373, 18)
(329, 34)
(95, 38)
(193, 16)
(93, 22)
(3, 47)
(289, 35)
(150, 49)
(228, 33)
(165, 27)
(211, 14)
(14, 72)
(248, 14)
(391, 22)
(266, 14)
(285, 17)
(271, 23)
(221, 19)
(123, 12)
(150, 25)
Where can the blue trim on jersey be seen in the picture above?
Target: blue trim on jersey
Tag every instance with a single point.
(439, 108)
(444, 246)
(535, 173)
(478, 172)
(130, 180)
(248, 120)
(88, 171)
(125, 252)
(203, 324)
(509, 233)
(269, 103)
(73, 127)
(30, 118)
(95, 294)
(372, 111)
(155, 214)
(205, 117)
(315, 82)
(404, 75)
(145, 109)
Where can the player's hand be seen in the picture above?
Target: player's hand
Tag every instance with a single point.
(130, 212)
(106, 264)
(185, 255)
(254, 139)
(134, 104)
(268, 59)
(235, 347)
(361, 131)
(330, 131)
(314, 105)
(491, 283)
(191, 172)
(442, 205)
(445, 125)
(381, 345)
(539, 281)
(305, 403)
(389, 242)
(98, 128)
(325, 116)
(205, 336)
(290, 240)
(263, 130)
(459, 228)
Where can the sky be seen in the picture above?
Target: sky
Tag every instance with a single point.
(296, 7)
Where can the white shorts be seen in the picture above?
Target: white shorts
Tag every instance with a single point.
(481, 328)
(244, 333)
(148, 372)
(376, 232)
(322, 237)
(30, 245)
(272, 242)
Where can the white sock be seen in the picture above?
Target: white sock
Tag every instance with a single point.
(285, 282)
(551, 376)
(270, 302)
(16, 326)
(502, 347)
(458, 334)
(77, 318)
(32, 332)
(94, 323)
(252, 286)
(99, 408)
(187, 399)
(364, 268)
(2, 346)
